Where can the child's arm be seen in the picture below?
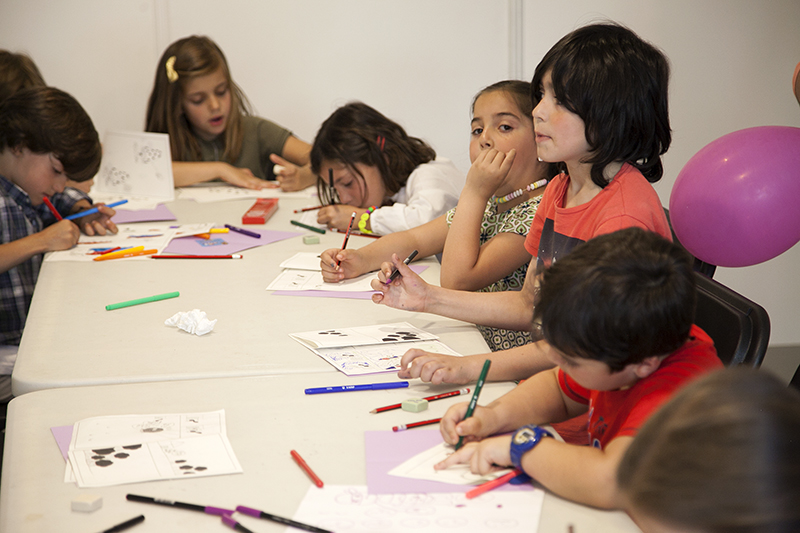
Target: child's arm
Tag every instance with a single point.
(190, 172)
(427, 239)
(516, 363)
(295, 159)
(466, 264)
(59, 236)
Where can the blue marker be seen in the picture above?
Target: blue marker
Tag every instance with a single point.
(368, 386)
(93, 210)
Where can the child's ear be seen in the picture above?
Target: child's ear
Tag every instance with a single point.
(647, 366)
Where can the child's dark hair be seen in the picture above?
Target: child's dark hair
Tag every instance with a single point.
(517, 90)
(182, 61)
(720, 456)
(48, 120)
(617, 83)
(17, 72)
(618, 298)
(357, 133)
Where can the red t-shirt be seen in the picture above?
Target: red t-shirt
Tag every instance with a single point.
(620, 413)
(628, 200)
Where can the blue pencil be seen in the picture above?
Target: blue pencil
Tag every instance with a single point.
(369, 386)
(93, 210)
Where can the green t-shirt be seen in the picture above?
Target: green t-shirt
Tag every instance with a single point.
(261, 138)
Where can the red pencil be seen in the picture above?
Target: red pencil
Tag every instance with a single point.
(347, 235)
(233, 256)
(429, 398)
(403, 427)
(299, 460)
(489, 485)
(52, 208)
(359, 234)
(303, 210)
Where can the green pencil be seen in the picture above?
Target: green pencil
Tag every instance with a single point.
(155, 298)
(474, 401)
(306, 226)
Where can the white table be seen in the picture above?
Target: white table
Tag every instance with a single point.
(71, 340)
(267, 416)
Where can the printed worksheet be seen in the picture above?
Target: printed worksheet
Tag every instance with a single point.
(291, 279)
(351, 509)
(303, 261)
(114, 450)
(372, 358)
(380, 334)
(421, 467)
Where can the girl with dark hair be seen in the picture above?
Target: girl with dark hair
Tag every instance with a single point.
(369, 165)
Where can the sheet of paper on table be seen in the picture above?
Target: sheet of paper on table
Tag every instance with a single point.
(214, 192)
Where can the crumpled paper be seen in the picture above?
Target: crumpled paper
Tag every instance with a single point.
(194, 321)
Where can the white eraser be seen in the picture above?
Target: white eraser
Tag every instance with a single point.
(87, 503)
(414, 405)
(277, 169)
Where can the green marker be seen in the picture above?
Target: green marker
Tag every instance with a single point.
(474, 401)
(155, 298)
(306, 226)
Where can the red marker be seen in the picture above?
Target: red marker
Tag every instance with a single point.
(299, 460)
(403, 427)
(233, 256)
(52, 208)
(493, 484)
(429, 398)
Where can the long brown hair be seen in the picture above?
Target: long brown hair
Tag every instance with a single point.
(722, 456)
(193, 57)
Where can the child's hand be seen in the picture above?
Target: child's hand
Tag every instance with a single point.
(483, 457)
(437, 368)
(62, 235)
(291, 177)
(481, 424)
(98, 223)
(408, 291)
(349, 267)
(489, 171)
(338, 216)
(243, 177)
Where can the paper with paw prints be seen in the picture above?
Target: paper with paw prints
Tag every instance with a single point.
(114, 450)
(363, 335)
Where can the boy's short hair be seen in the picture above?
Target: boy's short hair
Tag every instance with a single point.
(45, 120)
(617, 83)
(618, 298)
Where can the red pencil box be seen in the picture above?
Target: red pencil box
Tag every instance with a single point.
(260, 211)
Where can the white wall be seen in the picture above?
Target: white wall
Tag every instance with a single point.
(421, 61)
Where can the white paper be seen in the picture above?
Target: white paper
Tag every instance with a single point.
(307, 280)
(114, 450)
(151, 236)
(350, 509)
(421, 467)
(135, 165)
(380, 334)
(357, 360)
(303, 261)
(215, 192)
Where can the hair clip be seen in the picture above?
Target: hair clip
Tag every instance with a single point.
(172, 76)
(381, 140)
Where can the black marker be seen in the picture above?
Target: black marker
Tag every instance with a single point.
(396, 272)
(190, 506)
(279, 519)
(125, 525)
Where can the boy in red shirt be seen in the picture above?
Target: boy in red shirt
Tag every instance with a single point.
(617, 315)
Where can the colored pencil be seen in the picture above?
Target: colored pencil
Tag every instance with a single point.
(368, 386)
(347, 235)
(232, 256)
(314, 208)
(306, 226)
(307, 469)
(93, 210)
(474, 401)
(429, 398)
(359, 234)
(406, 261)
(403, 427)
(52, 208)
(148, 299)
(489, 485)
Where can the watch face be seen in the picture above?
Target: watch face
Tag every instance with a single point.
(524, 435)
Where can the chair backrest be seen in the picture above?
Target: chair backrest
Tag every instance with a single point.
(739, 327)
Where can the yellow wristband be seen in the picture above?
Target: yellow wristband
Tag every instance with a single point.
(362, 224)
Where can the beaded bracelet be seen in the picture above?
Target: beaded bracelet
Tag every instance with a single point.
(362, 223)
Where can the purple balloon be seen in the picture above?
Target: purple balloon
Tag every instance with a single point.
(736, 202)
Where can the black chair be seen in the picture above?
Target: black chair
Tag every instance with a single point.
(700, 266)
(739, 327)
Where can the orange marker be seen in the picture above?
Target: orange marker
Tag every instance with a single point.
(126, 253)
(299, 460)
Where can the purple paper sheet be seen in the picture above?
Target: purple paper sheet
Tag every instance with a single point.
(388, 449)
(63, 436)
(225, 243)
(354, 295)
(125, 216)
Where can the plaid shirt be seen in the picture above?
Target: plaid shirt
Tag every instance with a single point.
(18, 219)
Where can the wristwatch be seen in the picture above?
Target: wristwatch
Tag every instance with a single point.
(524, 440)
